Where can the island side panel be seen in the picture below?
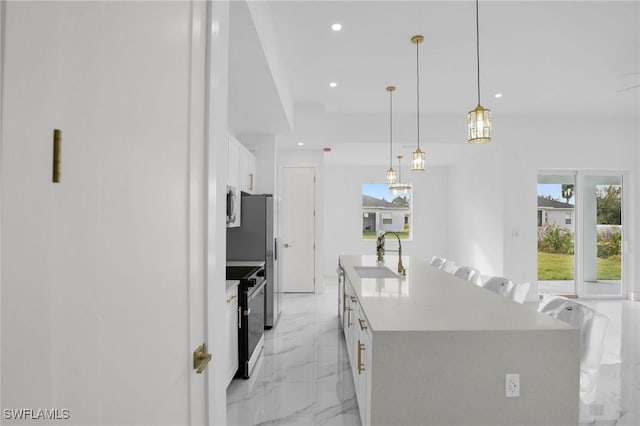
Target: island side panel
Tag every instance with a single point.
(458, 377)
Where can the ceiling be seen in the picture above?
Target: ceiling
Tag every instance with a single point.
(546, 58)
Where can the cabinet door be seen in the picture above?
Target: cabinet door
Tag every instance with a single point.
(253, 173)
(347, 320)
(232, 334)
(354, 335)
(247, 164)
(233, 170)
(244, 169)
(364, 356)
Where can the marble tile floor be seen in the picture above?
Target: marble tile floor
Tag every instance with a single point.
(304, 378)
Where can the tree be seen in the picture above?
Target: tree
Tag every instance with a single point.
(609, 205)
(401, 200)
(567, 192)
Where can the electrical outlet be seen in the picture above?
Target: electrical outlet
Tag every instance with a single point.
(512, 385)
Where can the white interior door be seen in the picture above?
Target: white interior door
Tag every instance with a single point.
(298, 230)
(102, 274)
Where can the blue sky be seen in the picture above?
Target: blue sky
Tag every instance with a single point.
(553, 189)
(377, 190)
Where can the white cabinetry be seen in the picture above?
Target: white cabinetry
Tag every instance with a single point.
(233, 168)
(363, 366)
(242, 169)
(248, 166)
(232, 324)
(415, 341)
(359, 344)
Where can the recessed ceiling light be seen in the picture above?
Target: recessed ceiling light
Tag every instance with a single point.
(333, 84)
(336, 27)
(498, 95)
(300, 143)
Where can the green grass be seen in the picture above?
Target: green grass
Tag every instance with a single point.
(404, 235)
(553, 266)
(610, 269)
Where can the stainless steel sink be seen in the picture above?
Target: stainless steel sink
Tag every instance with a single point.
(375, 272)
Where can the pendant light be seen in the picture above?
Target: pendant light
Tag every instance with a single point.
(479, 119)
(399, 188)
(391, 174)
(418, 156)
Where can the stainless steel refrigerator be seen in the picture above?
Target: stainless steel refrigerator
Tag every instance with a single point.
(254, 240)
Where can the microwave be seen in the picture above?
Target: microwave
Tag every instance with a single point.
(233, 207)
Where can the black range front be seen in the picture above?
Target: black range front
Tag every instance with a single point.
(251, 294)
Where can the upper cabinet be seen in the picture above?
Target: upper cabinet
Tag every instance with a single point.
(242, 170)
(233, 168)
(248, 171)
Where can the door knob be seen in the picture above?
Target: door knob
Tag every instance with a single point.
(201, 358)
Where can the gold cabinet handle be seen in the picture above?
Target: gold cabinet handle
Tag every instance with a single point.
(360, 363)
(239, 316)
(201, 358)
(362, 324)
(348, 316)
(250, 181)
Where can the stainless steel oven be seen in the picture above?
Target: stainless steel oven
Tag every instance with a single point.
(251, 294)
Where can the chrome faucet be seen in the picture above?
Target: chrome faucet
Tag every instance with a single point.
(380, 250)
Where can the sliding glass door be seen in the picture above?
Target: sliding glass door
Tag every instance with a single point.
(556, 234)
(580, 233)
(601, 230)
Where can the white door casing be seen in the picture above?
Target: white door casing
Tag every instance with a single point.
(216, 188)
(298, 230)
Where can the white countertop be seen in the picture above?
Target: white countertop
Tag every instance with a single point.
(232, 283)
(245, 262)
(429, 299)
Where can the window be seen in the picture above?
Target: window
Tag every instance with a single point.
(385, 212)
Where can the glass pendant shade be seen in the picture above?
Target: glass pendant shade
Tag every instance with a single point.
(399, 188)
(418, 160)
(479, 125)
(479, 119)
(391, 176)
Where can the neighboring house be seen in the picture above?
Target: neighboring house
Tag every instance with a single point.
(383, 215)
(554, 212)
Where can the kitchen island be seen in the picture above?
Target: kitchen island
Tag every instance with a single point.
(429, 348)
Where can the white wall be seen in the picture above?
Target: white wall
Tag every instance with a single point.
(266, 29)
(343, 217)
(476, 211)
(563, 144)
